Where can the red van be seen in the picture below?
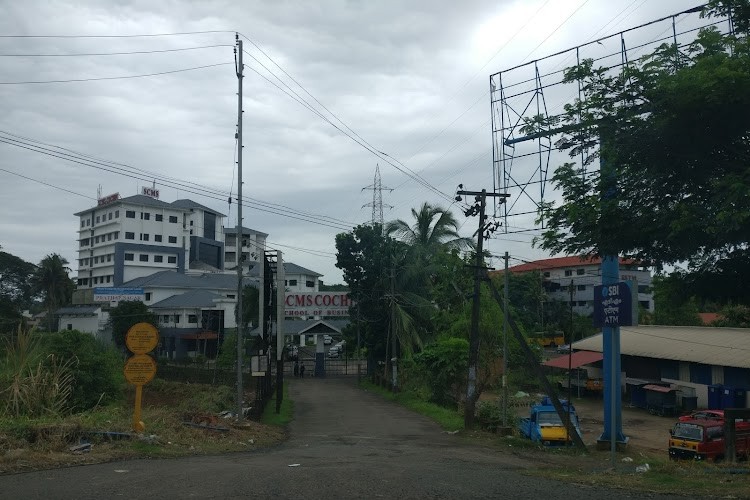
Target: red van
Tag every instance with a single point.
(702, 439)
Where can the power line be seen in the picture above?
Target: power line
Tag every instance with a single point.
(123, 77)
(47, 184)
(93, 161)
(379, 154)
(197, 191)
(82, 54)
(145, 35)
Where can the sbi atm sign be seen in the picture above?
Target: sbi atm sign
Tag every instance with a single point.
(614, 304)
(306, 304)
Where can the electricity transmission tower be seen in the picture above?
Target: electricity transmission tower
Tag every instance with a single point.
(377, 198)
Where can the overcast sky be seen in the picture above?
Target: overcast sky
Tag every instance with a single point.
(410, 78)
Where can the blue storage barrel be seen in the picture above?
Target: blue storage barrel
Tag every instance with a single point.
(727, 397)
(740, 397)
(714, 396)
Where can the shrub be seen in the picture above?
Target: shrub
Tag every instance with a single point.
(447, 362)
(96, 369)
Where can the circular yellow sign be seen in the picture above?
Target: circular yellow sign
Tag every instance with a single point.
(140, 369)
(142, 338)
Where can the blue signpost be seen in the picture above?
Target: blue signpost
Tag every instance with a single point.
(613, 307)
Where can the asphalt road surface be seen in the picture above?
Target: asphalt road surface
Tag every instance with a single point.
(344, 443)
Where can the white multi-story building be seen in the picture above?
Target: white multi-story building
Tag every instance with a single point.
(252, 246)
(126, 238)
(584, 273)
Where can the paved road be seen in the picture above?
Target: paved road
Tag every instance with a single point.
(347, 444)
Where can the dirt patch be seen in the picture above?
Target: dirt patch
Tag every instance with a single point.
(30, 445)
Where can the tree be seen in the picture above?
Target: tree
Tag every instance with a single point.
(52, 281)
(672, 130)
(434, 229)
(127, 314)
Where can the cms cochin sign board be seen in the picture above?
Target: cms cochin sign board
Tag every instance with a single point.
(317, 304)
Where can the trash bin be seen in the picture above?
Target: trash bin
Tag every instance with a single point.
(689, 403)
(714, 396)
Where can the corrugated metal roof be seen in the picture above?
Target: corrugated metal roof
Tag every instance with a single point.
(193, 298)
(174, 279)
(698, 344)
(560, 262)
(292, 268)
(576, 360)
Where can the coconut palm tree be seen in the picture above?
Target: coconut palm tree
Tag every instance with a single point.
(52, 281)
(435, 228)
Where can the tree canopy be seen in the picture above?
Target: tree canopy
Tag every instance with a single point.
(672, 132)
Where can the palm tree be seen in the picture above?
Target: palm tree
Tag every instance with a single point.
(52, 281)
(435, 228)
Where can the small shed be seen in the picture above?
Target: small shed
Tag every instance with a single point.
(661, 400)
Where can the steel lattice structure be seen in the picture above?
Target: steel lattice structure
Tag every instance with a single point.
(523, 164)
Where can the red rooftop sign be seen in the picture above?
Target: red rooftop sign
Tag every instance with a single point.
(108, 199)
(317, 304)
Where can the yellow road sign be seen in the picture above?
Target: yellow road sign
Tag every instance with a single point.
(140, 369)
(142, 338)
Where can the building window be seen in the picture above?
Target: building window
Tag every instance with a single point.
(97, 219)
(580, 272)
(117, 214)
(292, 282)
(117, 235)
(129, 256)
(83, 223)
(109, 216)
(109, 278)
(157, 238)
(165, 318)
(192, 318)
(568, 272)
(96, 260)
(546, 274)
(176, 318)
(173, 219)
(642, 288)
(130, 214)
(230, 295)
(191, 223)
(83, 281)
(158, 258)
(96, 280)
(172, 259)
(144, 236)
(70, 326)
(310, 284)
(148, 295)
(143, 257)
(129, 235)
(173, 239)
(581, 288)
(158, 217)
(109, 237)
(88, 222)
(145, 216)
(85, 242)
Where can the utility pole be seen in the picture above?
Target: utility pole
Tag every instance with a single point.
(506, 257)
(471, 392)
(280, 295)
(394, 341)
(240, 343)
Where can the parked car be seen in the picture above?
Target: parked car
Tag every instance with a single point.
(327, 339)
(703, 415)
(563, 349)
(334, 353)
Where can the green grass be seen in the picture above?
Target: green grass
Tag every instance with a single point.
(286, 412)
(448, 419)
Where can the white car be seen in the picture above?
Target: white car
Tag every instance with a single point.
(564, 349)
(327, 339)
